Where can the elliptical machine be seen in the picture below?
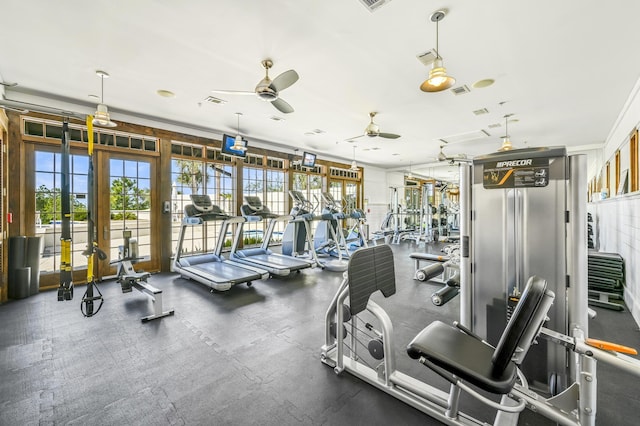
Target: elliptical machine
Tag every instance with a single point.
(294, 239)
(328, 239)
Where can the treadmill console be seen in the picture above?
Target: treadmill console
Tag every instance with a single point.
(254, 203)
(202, 203)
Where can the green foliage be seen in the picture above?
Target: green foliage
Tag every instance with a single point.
(249, 241)
(125, 215)
(126, 196)
(191, 174)
(49, 204)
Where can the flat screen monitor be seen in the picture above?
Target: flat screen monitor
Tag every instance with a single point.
(308, 159)
(227, 144)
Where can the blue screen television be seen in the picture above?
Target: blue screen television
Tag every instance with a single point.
(308, 159)
(227, 142)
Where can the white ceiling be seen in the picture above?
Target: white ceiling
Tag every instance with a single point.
(563, 68)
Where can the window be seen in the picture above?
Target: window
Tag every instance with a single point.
(48, 212)
(607, 173)
(130, 203)
(187, 177)
(253, 184)
(309, 184)
(634, 163)
(617, 174)
(191, 174)
(45, 129)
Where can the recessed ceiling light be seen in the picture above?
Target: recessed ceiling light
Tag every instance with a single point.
(481, 84)
(309, 134)
(395, 153)
(94, 97)
(318, 131)
(274, 118)
(165, 93)
(375, 148)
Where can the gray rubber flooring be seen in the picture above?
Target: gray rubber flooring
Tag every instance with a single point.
(249, 356)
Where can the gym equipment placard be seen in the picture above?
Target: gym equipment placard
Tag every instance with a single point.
(520, 173)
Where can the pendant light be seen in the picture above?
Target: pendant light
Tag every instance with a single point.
(101, 116)
(438, 79)
(238, 143)
(441, 154)
(354, 165)
(506, 143)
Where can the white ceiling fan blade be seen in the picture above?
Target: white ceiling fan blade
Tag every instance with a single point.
(282, 106)
(284, 80)
(234, 92)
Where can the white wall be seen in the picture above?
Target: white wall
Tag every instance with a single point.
(618, 231)
(628, 120)
(376, 196)
(618, 218)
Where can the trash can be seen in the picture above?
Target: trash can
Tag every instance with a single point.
(33, 254)
(16, 259)
(22, 283)
(24, 258)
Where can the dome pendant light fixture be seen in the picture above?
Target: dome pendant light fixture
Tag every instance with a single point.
(506, 143)
(438, 79)
(101, 116)
(354, 165)
(238, 143)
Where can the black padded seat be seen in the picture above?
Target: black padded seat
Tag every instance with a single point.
(471, 359)
(463, 355)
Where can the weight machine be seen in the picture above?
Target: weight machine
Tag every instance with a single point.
(468, 362)
(505, 202)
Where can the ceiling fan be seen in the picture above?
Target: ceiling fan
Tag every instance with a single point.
(269, 90)
(451, 159)
(373, 130)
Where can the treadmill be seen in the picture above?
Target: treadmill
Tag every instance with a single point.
(261, 257)
(211, 269)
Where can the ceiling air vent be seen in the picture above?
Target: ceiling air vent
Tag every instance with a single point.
(460, 90)
(215, 100)
(465, 137)
(373, 5)
(495, 125)
(481, 111)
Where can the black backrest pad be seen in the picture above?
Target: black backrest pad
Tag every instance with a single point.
(370, 269)
(520, 321)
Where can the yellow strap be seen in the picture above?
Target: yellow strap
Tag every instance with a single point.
(90, 269)
(90, 133)
(608, 346)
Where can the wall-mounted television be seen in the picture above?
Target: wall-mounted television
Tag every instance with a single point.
(308, 159)
(227, 144)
